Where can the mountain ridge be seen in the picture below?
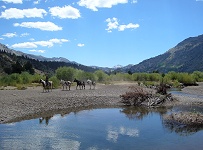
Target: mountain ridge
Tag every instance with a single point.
(186, 56)
(10, 57)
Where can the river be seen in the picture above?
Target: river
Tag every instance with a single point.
(105, 128)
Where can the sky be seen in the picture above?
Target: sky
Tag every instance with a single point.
(102, 33)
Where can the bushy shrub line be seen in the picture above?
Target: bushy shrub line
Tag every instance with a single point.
(174, 79)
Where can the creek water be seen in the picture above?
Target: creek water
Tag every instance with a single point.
(178, 92)
(105, 128)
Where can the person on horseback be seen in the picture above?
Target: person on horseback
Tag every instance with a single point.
(47, 80)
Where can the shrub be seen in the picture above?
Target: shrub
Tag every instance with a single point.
(66, 73)
(55, 81)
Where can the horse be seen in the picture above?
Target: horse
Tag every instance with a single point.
(80, 84)
(91, 83)
(46, 86)
(65, 83)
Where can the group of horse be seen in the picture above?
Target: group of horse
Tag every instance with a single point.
(67, 84)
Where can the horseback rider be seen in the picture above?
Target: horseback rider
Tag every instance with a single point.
(47, 80)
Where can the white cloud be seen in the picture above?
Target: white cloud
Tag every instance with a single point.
(35, 44)
(9, 35)
(13, 1)
(37, 51)
(36, 2)
(95, 4)
(22, 13)
(31, 39)
(55, 40)
(114, 24)
(81, 45)
(24, 34)
(24, 45)
(59, 41)
(45, 26)
(134, 1)
(3, 6)
(51, 42)
(44, 43)
(1, 38)
(64, 40)
(128, 26)
(65, 12)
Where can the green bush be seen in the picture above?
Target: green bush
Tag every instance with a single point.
(66, 73)
(101, 76)
(55, 81)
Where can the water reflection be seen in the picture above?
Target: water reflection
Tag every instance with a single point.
(113, 133)
(46, 119)
(139, 113)
(28, 135)
(112, 128)
(180, 129)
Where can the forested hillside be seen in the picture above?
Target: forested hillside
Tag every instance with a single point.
(187, 56)
(10, 63)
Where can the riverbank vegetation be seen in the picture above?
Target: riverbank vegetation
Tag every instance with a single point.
(174, 79)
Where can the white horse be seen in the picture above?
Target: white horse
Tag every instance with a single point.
(46, 86)
(66, 84)
(91, 83)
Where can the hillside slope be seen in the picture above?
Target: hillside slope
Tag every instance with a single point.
(9, 57)
(187, 56)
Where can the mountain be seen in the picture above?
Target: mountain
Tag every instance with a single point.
(187, 56)
(105, 69)
(118, 66)
(37, 57)
(9, 57)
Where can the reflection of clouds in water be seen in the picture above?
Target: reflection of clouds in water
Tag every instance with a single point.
(113, 133)
(61, 144)
(92, 148)
(10, 124)
(48, 137)
(66, 144)
(129, 132)
(56, 117)
(112, 136)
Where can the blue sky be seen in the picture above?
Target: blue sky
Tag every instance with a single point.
(101, 33)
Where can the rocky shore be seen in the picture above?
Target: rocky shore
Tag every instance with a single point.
(17, 105)
(31, 103)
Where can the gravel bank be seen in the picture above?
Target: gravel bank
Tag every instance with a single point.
(192, 95)
(17, 105)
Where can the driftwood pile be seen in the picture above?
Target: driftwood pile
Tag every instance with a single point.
(137, 96)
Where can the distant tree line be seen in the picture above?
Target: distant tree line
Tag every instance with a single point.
(10, 63)
(18, 68)
(24, 75)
